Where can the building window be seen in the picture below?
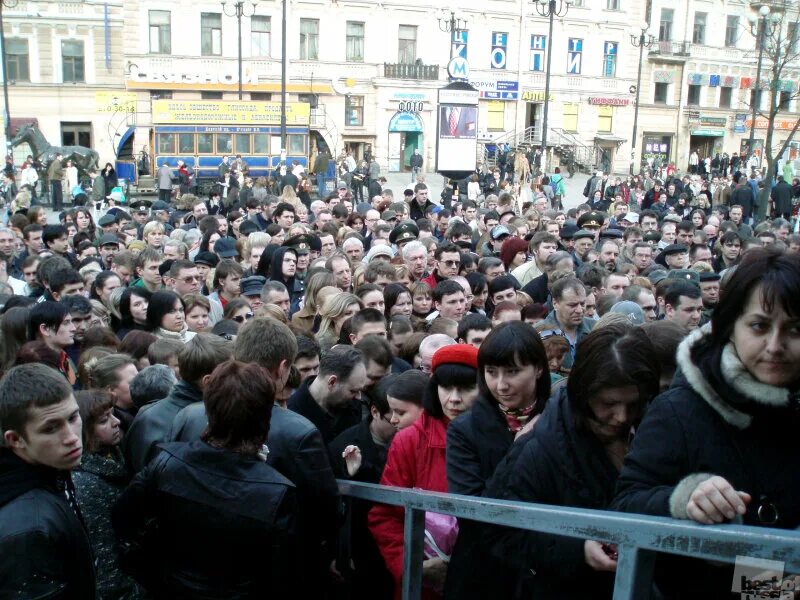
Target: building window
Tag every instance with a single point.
(609, 59)
(612, 4)
(72, 61)
(791, 36)
(665, 26)
(786, 97)
(578, 3)
(699, 31)
(260, 96)
(210, 34)
(731, 31)
(569, 117)
(309, 39)
(160, 32)
(260, 35)
(17, 61)
(76, 134)
(693, 96)
(725, 95)
(211, 95)
(755, 98)
(355, 41)
(496, 115)
(574, 56)
(407, 44)
(354, 111)
(160, 95)
(605, 118)
(660, 96)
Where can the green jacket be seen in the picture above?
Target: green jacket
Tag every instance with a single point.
(98, 189)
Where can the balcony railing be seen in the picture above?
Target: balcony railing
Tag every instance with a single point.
(411, 71)
(671, 49)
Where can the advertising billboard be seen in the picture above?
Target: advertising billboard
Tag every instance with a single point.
(457, 130)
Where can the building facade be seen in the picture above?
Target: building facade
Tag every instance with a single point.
(64, 72)
(700, 76)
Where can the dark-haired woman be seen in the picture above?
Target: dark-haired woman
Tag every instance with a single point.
(99, 481)
(417, 457)
(105, 283)
(514, 385)
(397, 299)
(573, 458)
(166, 317)
(223, 519)
(721, 443)
(133, 310)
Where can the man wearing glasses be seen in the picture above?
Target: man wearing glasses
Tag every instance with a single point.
(448, 262)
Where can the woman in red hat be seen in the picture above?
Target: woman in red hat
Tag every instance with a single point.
(417, 460)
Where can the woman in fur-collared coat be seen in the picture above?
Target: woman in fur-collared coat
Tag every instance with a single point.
(722, 443)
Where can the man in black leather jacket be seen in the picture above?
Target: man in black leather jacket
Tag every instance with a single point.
(44, 545)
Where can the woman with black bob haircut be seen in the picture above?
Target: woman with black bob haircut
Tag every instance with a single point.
(514, 384)
(133, 310)
(397, 299)
(417, 457)
(166, 317)
(573, 458)
(223, 520)
(721, 444)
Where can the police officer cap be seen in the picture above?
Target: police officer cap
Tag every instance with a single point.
(674, 249)
(252, 286)
(406, 231)
(301, 243)
(685, 275)
(591, 219)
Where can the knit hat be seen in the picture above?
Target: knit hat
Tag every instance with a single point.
(460, 354)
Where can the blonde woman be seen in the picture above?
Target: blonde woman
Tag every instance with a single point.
(305, 316)
(289, 195)
(153, 235)
(336, 310)
(256, 242)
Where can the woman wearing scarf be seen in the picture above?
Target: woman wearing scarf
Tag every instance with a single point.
(283, 269)
(514, 384)
(573, 458)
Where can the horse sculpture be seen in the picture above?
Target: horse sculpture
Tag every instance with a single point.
(82, 157)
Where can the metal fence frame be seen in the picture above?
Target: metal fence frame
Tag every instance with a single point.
(638, 537)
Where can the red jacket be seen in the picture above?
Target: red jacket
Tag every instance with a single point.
(416, 460)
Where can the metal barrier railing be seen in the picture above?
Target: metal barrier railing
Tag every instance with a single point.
(638, 537)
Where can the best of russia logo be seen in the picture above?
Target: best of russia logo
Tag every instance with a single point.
(755, 578)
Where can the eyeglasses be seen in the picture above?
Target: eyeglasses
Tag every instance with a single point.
(548, 333)
(451, 263)
(191, 279)
(242, 318)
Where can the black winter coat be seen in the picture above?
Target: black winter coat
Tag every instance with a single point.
(562, 466)
(44, 545)
(743, 196)
(477, 442)
(782, 198)
(153, 423)
(714, 420)
(223, 524)
(330, 424)
(296, 451)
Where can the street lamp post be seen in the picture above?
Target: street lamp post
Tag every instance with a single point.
(548, 9)
(759, 32)
(283, 78)
(239, 11)
(640, 38)
(450, 23)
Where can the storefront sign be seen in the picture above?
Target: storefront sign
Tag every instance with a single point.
(405, 96)
(764, 124)
(708, 132)
(696, 117)
(405, 121)
(228, 113)
(740, 123)
(219, 75)
(536, 96)
(496, 90)
(609, 101)
(114, 102)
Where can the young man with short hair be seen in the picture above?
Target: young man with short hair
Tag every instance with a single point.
(449, 300)
(65, 283)
(147, 265)
(44, 542)
(683, 303)
(51, 323)
(473, 329)
(227, 282)
(366, 322)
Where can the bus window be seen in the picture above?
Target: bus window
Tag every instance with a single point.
(276, 145)
(224, 143)
(185, 143)
(242, 143)
(205, 143)
(166, 143)
(297, 144)
(260, 143)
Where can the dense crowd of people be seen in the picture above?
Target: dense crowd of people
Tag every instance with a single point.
(183, 381)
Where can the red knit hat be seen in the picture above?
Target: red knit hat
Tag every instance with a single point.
(460, 354)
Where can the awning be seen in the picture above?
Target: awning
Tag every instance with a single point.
(122, 152)
(607, 137)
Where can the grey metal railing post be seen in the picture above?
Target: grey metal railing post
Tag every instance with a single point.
(634, 578)
(413, 536)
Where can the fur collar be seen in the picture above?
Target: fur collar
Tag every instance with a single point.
(735, 375)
